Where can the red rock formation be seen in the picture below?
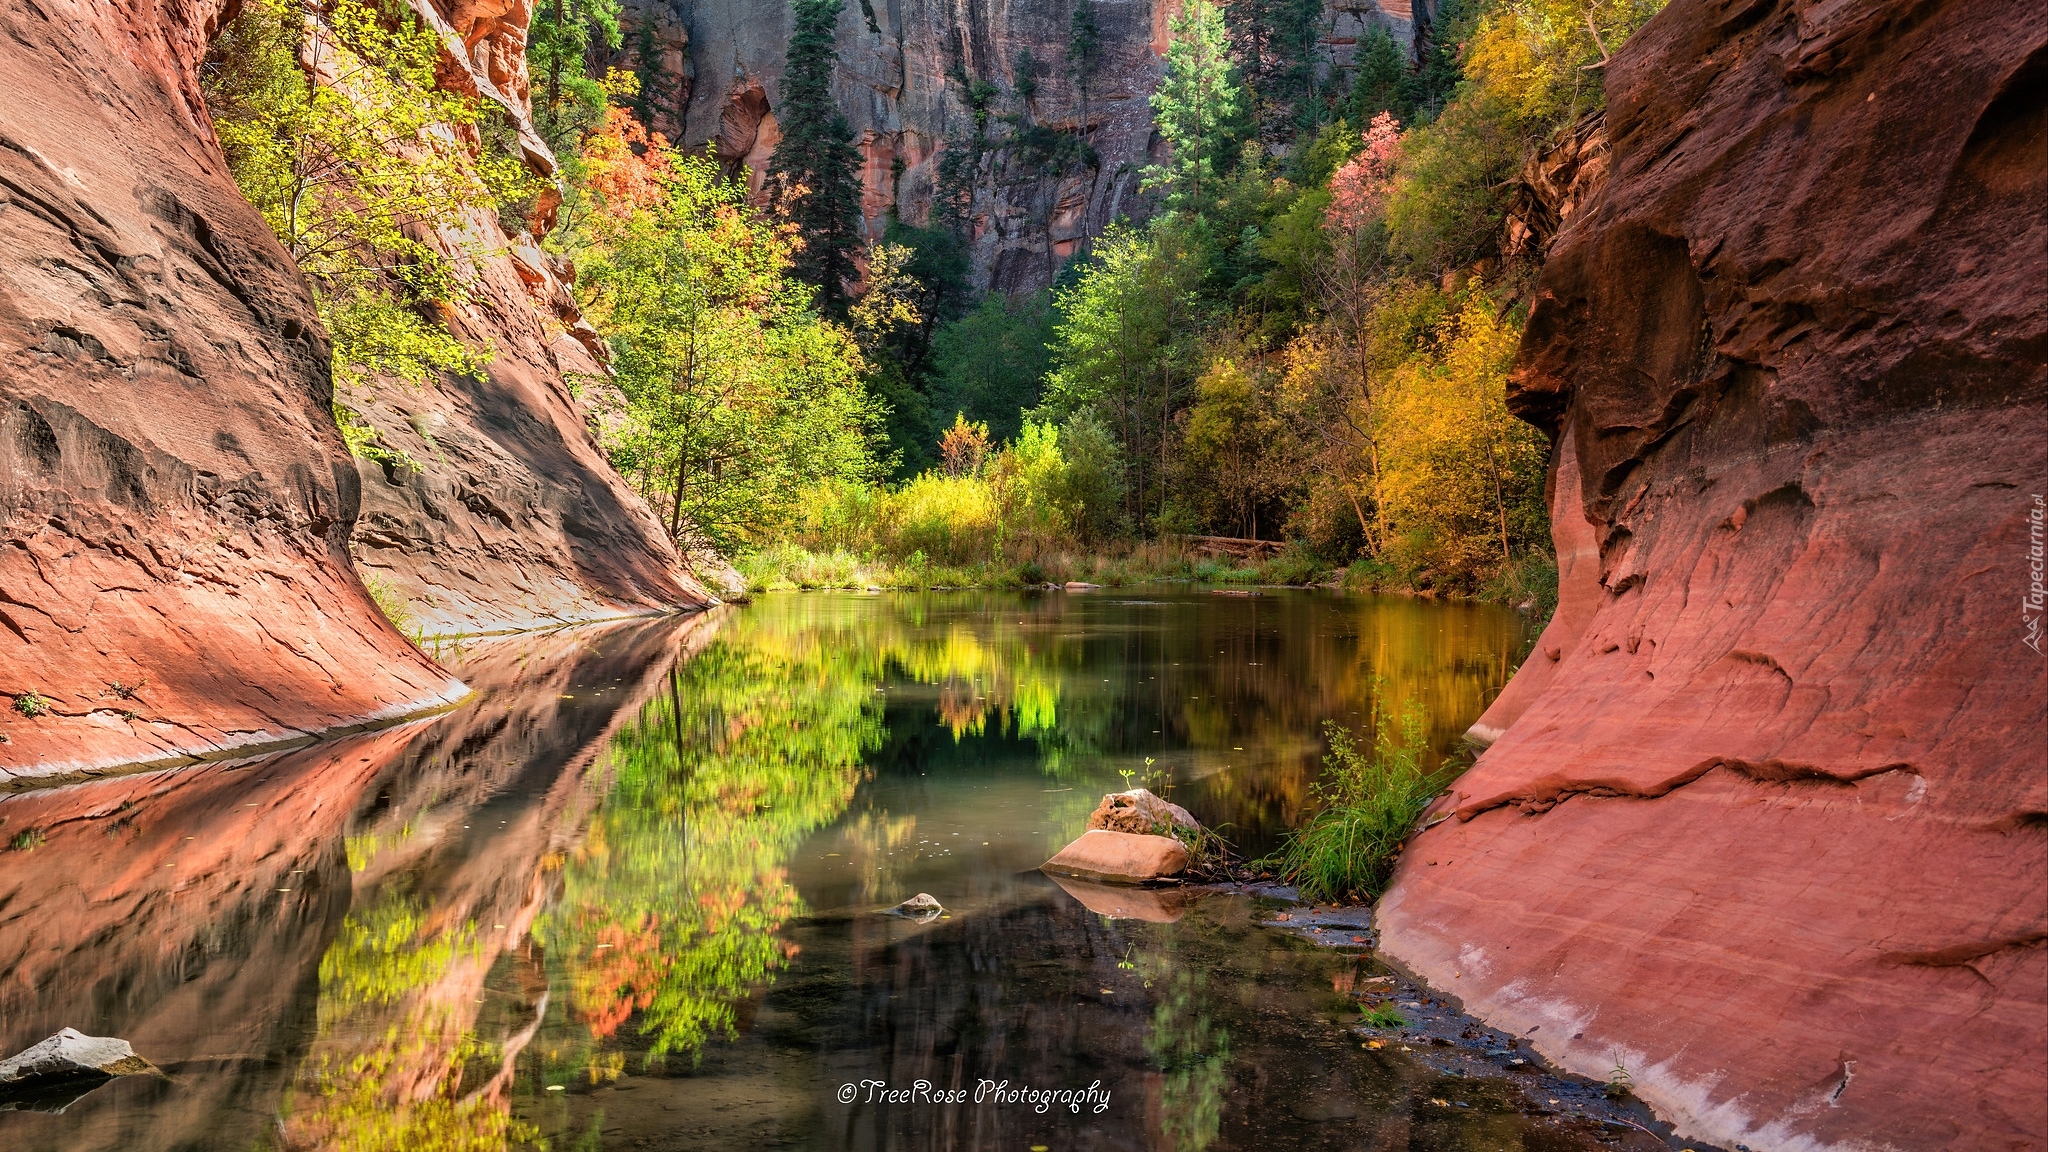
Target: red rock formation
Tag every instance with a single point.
(189, 911)
(893, 84)
(175, 501)
(513, 517)
(1769, 825)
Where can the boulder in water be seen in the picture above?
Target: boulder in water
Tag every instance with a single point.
(49, 1076)
(1119, 857)
(921, 907)
(1139, 811)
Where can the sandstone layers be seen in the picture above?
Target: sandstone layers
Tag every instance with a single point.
(175, 501)
(176, 506)
(899, 83)
(1766, 819)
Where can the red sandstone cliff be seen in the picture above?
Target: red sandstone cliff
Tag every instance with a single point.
(177, 513)
(1766, 818)
(893, 84)
(175, 501)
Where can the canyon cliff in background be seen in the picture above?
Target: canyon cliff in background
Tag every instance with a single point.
(901, 80)
(1764, 818)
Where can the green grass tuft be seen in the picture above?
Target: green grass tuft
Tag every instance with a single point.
(1370, 803)
(32, 703)
(1382, 1016)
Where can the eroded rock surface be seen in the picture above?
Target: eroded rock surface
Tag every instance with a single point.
(509, 516)
(175, 500)
(1766, 826)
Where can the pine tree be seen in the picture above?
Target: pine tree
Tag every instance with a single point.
(1084, 53)
(1382, 81)
(567, 103)
(816, 169)
(1273, 43)
(1196, 107)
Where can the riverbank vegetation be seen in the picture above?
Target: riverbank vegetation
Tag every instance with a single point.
(1369, 801)
(1300, 335)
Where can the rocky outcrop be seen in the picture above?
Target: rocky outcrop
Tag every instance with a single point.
(175, 500)
(1769, 828)
(901, 83)
(176, 506)
(508, 516)
(1118, 857)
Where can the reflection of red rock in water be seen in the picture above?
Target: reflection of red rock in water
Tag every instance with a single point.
(189, 911)
(1770, 835)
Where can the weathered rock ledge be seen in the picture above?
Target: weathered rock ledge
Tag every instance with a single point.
(1765, 818)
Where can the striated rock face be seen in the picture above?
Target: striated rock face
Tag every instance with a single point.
(893, 83)
(175, 501)
(1766, 820)
(512, 518)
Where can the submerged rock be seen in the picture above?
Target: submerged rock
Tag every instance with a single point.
(49, 1076)
(921, 907)
(1138, 810)
(1119, 857)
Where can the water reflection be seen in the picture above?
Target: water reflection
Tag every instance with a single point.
(627, 893)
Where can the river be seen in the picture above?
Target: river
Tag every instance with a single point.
(630, 894)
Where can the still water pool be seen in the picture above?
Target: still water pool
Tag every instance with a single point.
(628, 895)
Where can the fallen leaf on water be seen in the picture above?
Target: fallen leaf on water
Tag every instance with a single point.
(1439, 1103)
(1375, 1045)
(1358, 939)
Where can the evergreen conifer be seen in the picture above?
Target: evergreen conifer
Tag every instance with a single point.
(816, 169)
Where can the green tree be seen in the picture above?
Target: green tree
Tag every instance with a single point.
(1124, 341)
(352, 174)
(1084, 55)
(1380, 83)
(736, 394)
(816, 169)
(1196, 108)
(1274, 45)
(567, 102)
(991, 363)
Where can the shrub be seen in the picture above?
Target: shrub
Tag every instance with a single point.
(1370, 804)
(32, 703)
(1382, 1016)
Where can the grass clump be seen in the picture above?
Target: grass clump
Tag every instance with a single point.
(1383, 1016)
(1370, 803)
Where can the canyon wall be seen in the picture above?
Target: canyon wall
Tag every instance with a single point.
(175, 500)
(178, 516)
(508, 515)
(898, 81)
(1764, 820)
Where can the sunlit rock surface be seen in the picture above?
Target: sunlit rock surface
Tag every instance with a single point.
(1770, 832)
(175, 501)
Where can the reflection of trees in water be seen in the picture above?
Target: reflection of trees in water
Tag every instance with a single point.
(1191, 1052)
(1230, 694)
(670, 905)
